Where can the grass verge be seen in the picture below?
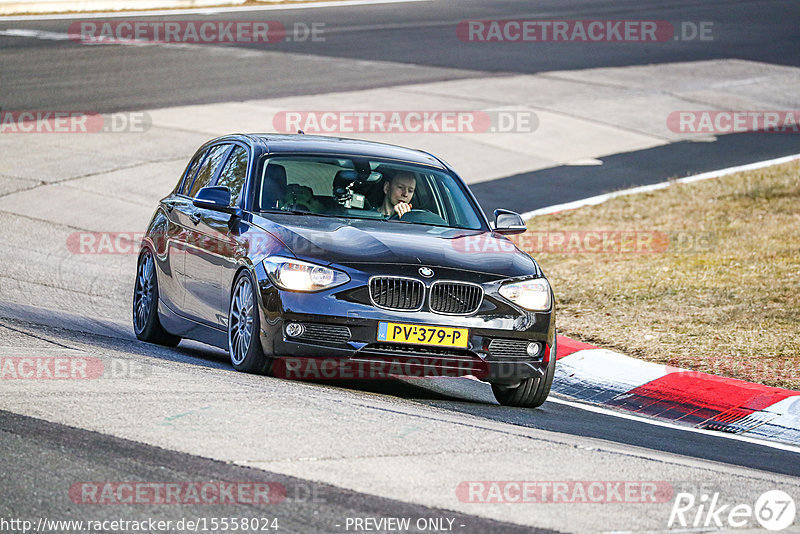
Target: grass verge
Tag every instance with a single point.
(704, 276)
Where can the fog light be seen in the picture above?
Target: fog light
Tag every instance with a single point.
(295, 329)
(534, 349)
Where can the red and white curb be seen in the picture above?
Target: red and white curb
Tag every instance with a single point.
(701, 400)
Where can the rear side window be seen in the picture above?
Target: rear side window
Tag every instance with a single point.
(234, 173)
(208, 168)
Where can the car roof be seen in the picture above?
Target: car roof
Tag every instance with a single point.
(318, 144)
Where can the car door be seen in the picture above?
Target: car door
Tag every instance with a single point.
(234, 176)
(208, 268)
(178, 208)
(200, 283)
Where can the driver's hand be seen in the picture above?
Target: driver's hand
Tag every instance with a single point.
(401, 208)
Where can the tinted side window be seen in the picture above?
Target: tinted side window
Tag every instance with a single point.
(234, 173)
(188, 176)
(464, 215)
(206, 172)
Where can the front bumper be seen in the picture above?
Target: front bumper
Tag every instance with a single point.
(336, 347)
(342, 329)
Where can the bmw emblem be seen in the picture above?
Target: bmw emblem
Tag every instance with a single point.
(427, 272)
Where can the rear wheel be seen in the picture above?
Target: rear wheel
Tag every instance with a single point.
(244, 344)
(146, 325)
(531, 392)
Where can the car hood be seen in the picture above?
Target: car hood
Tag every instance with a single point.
(334, 240)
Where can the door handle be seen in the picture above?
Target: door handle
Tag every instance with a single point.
(195, 217)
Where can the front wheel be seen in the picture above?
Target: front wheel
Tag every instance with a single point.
(531, 392)
(146, 325)
(244, 325)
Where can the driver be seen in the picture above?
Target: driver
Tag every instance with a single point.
(397, 194)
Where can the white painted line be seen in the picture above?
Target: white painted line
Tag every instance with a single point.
(655, 422)
(53, 36)
(599, 199)
(36, 34)
(201, 11)
(238, 52)
(584, 162)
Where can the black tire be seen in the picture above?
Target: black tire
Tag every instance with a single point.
(244, 325)
(531, 392)
(146, 324)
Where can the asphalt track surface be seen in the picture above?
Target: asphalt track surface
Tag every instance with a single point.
(42, 459)
(534, 190)
(408, 43)
(419, 39)
(300, 506)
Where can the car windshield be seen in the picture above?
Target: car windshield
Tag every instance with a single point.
(365, 189)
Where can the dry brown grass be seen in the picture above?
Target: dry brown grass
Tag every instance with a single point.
(731, 308)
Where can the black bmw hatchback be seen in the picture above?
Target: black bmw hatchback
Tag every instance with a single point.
(317, 257)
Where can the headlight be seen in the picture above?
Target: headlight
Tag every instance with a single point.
(296, 275)
(533, 295)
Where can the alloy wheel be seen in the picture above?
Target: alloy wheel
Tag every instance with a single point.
(143, 292)
(240, 329)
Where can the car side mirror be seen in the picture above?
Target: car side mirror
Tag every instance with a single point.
(217, 198)
(508, 222)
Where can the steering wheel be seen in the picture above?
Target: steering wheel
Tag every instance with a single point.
(419, 216)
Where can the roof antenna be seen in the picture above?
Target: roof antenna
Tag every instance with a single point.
(301, 132)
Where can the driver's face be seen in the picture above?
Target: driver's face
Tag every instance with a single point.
(401, 189)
